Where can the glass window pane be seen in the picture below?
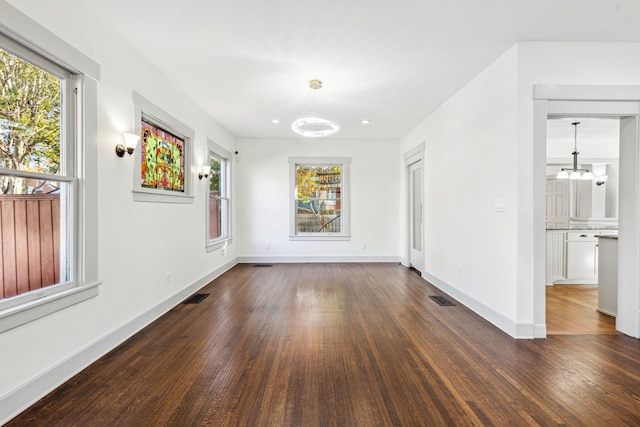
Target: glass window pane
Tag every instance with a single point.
(216, 184)
(32, 250)
(30, 114)
(215, 217)
(318, 216)
(318, 203)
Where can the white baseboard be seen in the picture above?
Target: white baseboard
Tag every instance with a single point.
(516, 330)
(20, 399)
(314, 259)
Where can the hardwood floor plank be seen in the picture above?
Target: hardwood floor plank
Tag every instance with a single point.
(344, 345)
(572, 309)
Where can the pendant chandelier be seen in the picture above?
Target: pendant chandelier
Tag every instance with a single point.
(309, 123)
(575, 172)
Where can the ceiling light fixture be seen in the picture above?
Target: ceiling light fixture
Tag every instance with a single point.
(576, 173)
(309, 123)
(365, 121)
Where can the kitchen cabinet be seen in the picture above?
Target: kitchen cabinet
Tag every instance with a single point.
(555, 266)
(582, 257)
(572, 257)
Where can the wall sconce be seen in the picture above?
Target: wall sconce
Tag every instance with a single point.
(204, 172)
(601, 179)
(130, 142)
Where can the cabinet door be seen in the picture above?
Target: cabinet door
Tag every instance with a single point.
(582, 260)
(555, 256)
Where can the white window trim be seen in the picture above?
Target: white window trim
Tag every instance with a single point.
(145, 109)
(345, 196)
(224, 241)
(23, 30)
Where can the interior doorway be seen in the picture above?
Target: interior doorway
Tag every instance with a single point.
(416, 255)
(612, 101)
(414, 191)
(577, 212)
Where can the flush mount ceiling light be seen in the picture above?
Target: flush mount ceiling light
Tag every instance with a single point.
(310, 124)
(575, 172)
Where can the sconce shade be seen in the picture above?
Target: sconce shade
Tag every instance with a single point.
(562, 175)
(204, 172)
(130, 142)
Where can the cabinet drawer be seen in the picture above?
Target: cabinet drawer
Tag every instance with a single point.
(582, 236)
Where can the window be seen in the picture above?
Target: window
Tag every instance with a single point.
(165, 155)
(218, 192)
(320, 202)
(42, 193)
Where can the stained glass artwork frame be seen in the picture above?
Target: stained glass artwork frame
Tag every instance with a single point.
(162, 160)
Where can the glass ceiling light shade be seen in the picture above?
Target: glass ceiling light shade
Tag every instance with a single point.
(311, 125)
(576, 173)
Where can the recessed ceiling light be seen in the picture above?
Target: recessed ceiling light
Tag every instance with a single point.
(365, 122)
(275, 121)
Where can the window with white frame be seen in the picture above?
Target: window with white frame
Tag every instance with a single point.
(41, 187)
(319, 198)
(218, 197)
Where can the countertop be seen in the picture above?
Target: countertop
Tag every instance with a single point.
(585, 227)
(607, 236)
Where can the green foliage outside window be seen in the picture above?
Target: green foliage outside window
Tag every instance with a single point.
(30, 113)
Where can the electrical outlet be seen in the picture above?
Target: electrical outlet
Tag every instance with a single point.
(364, 245)
(224, 251)
(168, 278)
(268, 246)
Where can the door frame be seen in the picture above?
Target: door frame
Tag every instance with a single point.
(620, 101)
(412, 156)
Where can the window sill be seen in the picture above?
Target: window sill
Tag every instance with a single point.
(141, 195)
(28, 312)
(319, 237)
(219, 244)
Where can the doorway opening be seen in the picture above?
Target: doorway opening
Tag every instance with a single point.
(414, 179)
(622, 102)
(578, 211)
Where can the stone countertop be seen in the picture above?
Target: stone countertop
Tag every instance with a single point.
(607, 236)
(585, 227)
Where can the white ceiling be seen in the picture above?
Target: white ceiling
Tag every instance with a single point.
(596, 137)
(247, 62)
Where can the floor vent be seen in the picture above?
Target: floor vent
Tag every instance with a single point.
(196, 299)
(441, 300)
(263, 265)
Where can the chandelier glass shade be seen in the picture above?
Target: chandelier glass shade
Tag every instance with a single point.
(310, 124)
(575, 173)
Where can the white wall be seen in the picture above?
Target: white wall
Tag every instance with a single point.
(263, 200)
(547, 63)
(485, 131)
(470, 162)
(138, 242)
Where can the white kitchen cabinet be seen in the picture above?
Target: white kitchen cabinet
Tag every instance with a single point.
(582, 257)
(555, 266)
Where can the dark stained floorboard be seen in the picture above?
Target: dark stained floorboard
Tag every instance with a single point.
(344, 345)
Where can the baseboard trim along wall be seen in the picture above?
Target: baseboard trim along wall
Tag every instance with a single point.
(302, 259)
(20, 399)
(516, 330)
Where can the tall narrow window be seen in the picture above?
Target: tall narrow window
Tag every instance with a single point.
(218, 205)
(320, 198)
(48, 128)
(37, 175)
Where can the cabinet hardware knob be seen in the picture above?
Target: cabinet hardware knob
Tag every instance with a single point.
(583, 235)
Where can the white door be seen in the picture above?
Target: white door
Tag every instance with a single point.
(416, 256)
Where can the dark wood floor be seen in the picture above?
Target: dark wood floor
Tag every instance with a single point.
(572, 309)
(344, 345)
